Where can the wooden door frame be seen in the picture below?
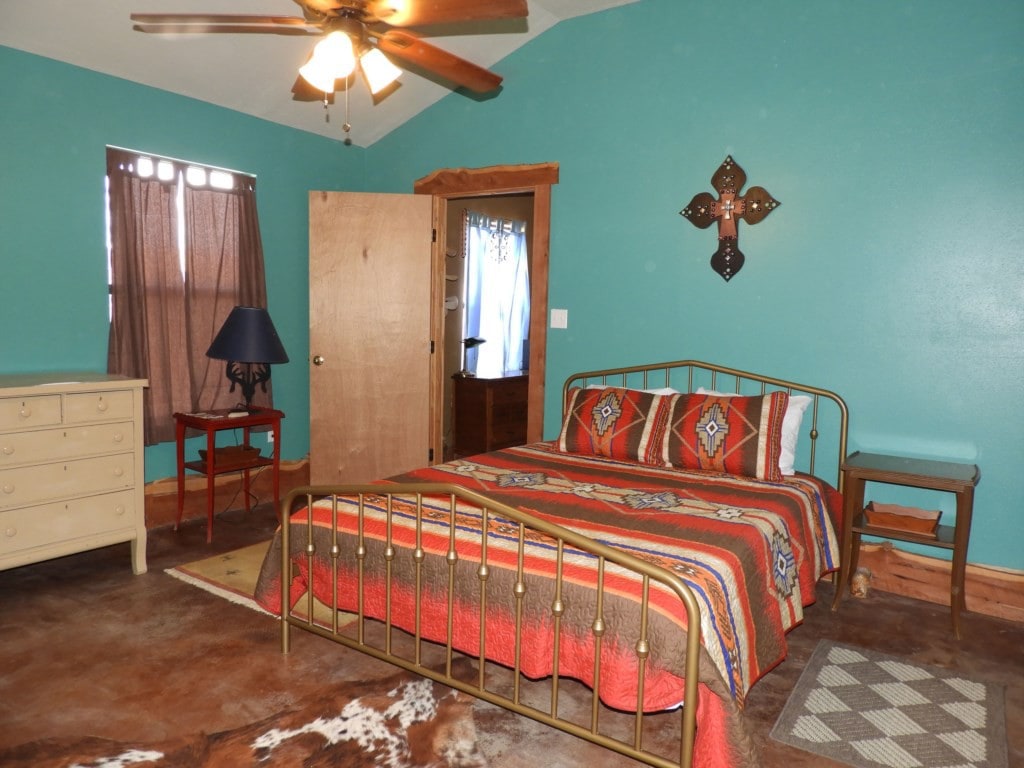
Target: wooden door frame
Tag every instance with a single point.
(448, 183)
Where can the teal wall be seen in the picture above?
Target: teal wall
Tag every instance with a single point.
(892, 273)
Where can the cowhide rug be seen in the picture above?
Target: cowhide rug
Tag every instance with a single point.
(401, 721)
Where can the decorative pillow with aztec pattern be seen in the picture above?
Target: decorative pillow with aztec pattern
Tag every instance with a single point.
(738, 435)
(623, 424)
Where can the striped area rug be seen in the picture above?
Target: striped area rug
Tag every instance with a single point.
(870, 710)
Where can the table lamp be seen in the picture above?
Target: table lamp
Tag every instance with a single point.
(470, 343)
(249, 343)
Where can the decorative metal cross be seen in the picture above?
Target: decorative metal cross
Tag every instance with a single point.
(751, 207)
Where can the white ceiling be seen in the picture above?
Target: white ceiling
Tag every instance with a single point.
(250, 73)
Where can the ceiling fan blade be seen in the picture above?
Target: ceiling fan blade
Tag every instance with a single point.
(407, 46)
(410, 13)
(216, 18)
(192, 29)
(203, 23)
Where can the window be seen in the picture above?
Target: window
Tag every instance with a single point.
(184, 249)
(497, 296)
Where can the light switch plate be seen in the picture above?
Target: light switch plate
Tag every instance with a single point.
(559, 318)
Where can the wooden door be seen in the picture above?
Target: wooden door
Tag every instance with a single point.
(370, 329)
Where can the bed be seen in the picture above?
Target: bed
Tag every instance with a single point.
(676, 495)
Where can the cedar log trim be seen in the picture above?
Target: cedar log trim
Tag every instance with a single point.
(162, 495)
(990, 591)
(495, 179)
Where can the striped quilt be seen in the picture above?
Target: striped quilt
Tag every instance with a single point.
(750, 550)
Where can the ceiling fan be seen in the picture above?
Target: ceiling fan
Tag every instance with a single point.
(359, 34)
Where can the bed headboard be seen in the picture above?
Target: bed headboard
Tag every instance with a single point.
(823, 430)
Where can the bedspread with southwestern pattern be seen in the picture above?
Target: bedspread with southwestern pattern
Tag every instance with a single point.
(751, 551)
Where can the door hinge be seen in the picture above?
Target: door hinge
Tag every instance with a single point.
(433, 235)
(431, 346)
(430, 454)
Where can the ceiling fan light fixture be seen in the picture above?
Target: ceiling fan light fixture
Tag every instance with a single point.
(378, 71)
(333, 58)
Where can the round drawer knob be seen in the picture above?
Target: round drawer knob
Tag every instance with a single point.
(102, 406)
(25, 411)
(8, 488)
(118, 471)
(8, 450)
(119, 438)
(119, 510)
(11, 532)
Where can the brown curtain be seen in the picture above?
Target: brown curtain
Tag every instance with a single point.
(224, 269)
(163, 321)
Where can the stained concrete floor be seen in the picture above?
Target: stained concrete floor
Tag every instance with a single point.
(87, 648)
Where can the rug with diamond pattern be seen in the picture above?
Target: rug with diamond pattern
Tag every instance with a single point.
(869, 710)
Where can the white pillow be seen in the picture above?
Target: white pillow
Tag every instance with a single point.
(655, 391)
(790, 427)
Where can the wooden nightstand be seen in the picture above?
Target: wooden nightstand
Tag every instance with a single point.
(959, 479)
(211, 423)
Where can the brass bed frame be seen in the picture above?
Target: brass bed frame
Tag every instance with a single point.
(381, 639)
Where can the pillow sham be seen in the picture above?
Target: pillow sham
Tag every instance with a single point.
(623, 424)
(734, 434)
(798, 405)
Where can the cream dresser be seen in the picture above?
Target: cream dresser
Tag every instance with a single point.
(71, 466)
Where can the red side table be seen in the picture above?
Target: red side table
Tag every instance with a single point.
(212, 422)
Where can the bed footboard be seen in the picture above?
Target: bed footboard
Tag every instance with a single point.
(381, 554)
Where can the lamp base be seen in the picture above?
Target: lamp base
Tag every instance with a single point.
(247, 376)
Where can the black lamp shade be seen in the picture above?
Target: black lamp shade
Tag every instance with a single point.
(248, 336)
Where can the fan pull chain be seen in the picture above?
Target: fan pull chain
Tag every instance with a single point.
(347, 126)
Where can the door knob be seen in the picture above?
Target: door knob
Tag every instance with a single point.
(318, 360)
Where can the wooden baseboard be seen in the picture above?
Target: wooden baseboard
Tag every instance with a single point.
(990, 591)
(162, 495)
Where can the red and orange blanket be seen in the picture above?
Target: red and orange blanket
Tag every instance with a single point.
(750, 550)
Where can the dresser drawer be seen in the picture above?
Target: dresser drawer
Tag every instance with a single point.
(46, 482)
(48, 445)
(98, 406)
(506, 435)
(509, 414)
(510, 393)
(30, 411)
(48, 524)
